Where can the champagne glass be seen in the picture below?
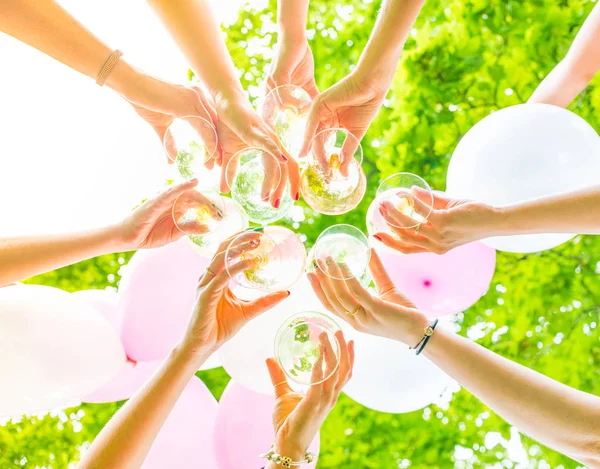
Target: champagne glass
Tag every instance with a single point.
(253, 174)
(333, 181)
(198, 212)
(298, 345)
(277, 256)
(400, 190)
(344, 244)
(191, 145)
(285, 109)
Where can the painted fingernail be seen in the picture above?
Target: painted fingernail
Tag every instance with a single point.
(276, 204)
(257, 228)
(377, 237)
(297, 196)
(288, 293)
(283, 157)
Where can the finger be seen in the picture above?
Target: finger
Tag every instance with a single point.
(344, 365)
(394, 217)
(352, 355)
(360, 293)
(221, 280)
(410, 237)
(339, 287)
(316, 286)
(320, 153)
(194, 199)
(422, 207)
(440, 200)
(272, 177)
(383, 281)
(337, 308)
(277, 193)
(313, 394)
(167, 198)
(278, 378)
(170, 148)
(331, 365)
(265, 303)
(217, 264)
(349, 147)
(207, 134)
(209, 164)
(398, 244)
(259, 138)
(312, 124)
(228, 170)
(311, 89)
(293, 173)
(211, 114)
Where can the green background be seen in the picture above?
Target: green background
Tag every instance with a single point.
(463, 60)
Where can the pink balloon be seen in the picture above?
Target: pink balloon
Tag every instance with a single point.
(244, 429)
(105, 301)
(185, 440)
(443, 284)
(130, 379)
(156, 297)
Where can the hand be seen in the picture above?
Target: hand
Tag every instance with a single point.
(218, 314)
(352, 104)
(450, 223)
(159, 103)
(388, 314)
(241, 127)
(151, 225)
(293, 64)
(297, 418)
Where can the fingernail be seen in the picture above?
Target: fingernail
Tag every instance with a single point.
(377, 237)
(283, 157)
(315, 265)
(266, 197)
(276, 204)
(288, 293)
(257, 228)
(297, 196)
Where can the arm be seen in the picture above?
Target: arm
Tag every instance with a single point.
(353, 102)
(558, 416)
(218, 314)
(576, 70)
(452, 223)
(150, 225)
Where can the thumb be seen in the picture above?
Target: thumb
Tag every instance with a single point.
(435, 199)
(167, 198)
(278, 379)
(264, 303)
(312, 124)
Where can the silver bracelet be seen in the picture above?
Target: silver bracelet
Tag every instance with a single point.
(285, 461)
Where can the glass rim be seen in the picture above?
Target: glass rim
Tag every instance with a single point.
(283, 330)
(220, 201)
(185, 119)
(359, 148)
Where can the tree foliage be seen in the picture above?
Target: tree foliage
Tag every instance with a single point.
(463, 60)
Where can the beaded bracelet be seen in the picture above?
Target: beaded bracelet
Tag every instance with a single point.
(108, 66)
(285, 461)
(426, 336)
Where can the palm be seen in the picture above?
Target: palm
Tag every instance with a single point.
(395, 296)
(158, 232)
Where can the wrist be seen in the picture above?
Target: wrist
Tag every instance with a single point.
(193, 354)
(410, 331)
(293, 36)
(290, 450)
(125, 79)
(498, 221)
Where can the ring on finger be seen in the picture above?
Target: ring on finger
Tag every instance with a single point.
(358, 308)
(209, 270)
(418, 227)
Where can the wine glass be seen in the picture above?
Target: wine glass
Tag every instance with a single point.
(333, 181)
(198, 212)
(285, 109)
(298, 346)
(344, 244)
(191, 144)
(399, 190)
(233, 222)
(277, 256)
(253, 174)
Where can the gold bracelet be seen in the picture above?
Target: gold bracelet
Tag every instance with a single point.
(108, 66)
(285, 461)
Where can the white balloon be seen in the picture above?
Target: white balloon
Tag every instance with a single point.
(243, 357)
(54, 349)
(74, 155)
(522, 153)
(388, 377)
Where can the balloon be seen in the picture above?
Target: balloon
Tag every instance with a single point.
(443, 284)
(156, 295)
(243, 357)
(185, 441)
(54, 349)
(66, 126)
(104, 301)
(131, 378)
(522, 153)
(244, 429)
(388, 377)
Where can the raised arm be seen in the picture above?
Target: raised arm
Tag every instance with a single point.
(125, 441)
(353, 102)
(453, 223)
(150, 225)
(576, 70)
(558, 416)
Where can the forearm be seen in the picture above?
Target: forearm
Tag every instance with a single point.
(292, 16)
(46, 26)
(574, 212)
(381, 54)
(195, 29)
(556, 415)
(126, 440)
(26, 256)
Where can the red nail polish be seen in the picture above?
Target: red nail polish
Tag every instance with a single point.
(378, 238)
(288, 293)
(297, 196)
(276, 204)
(283, 157)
